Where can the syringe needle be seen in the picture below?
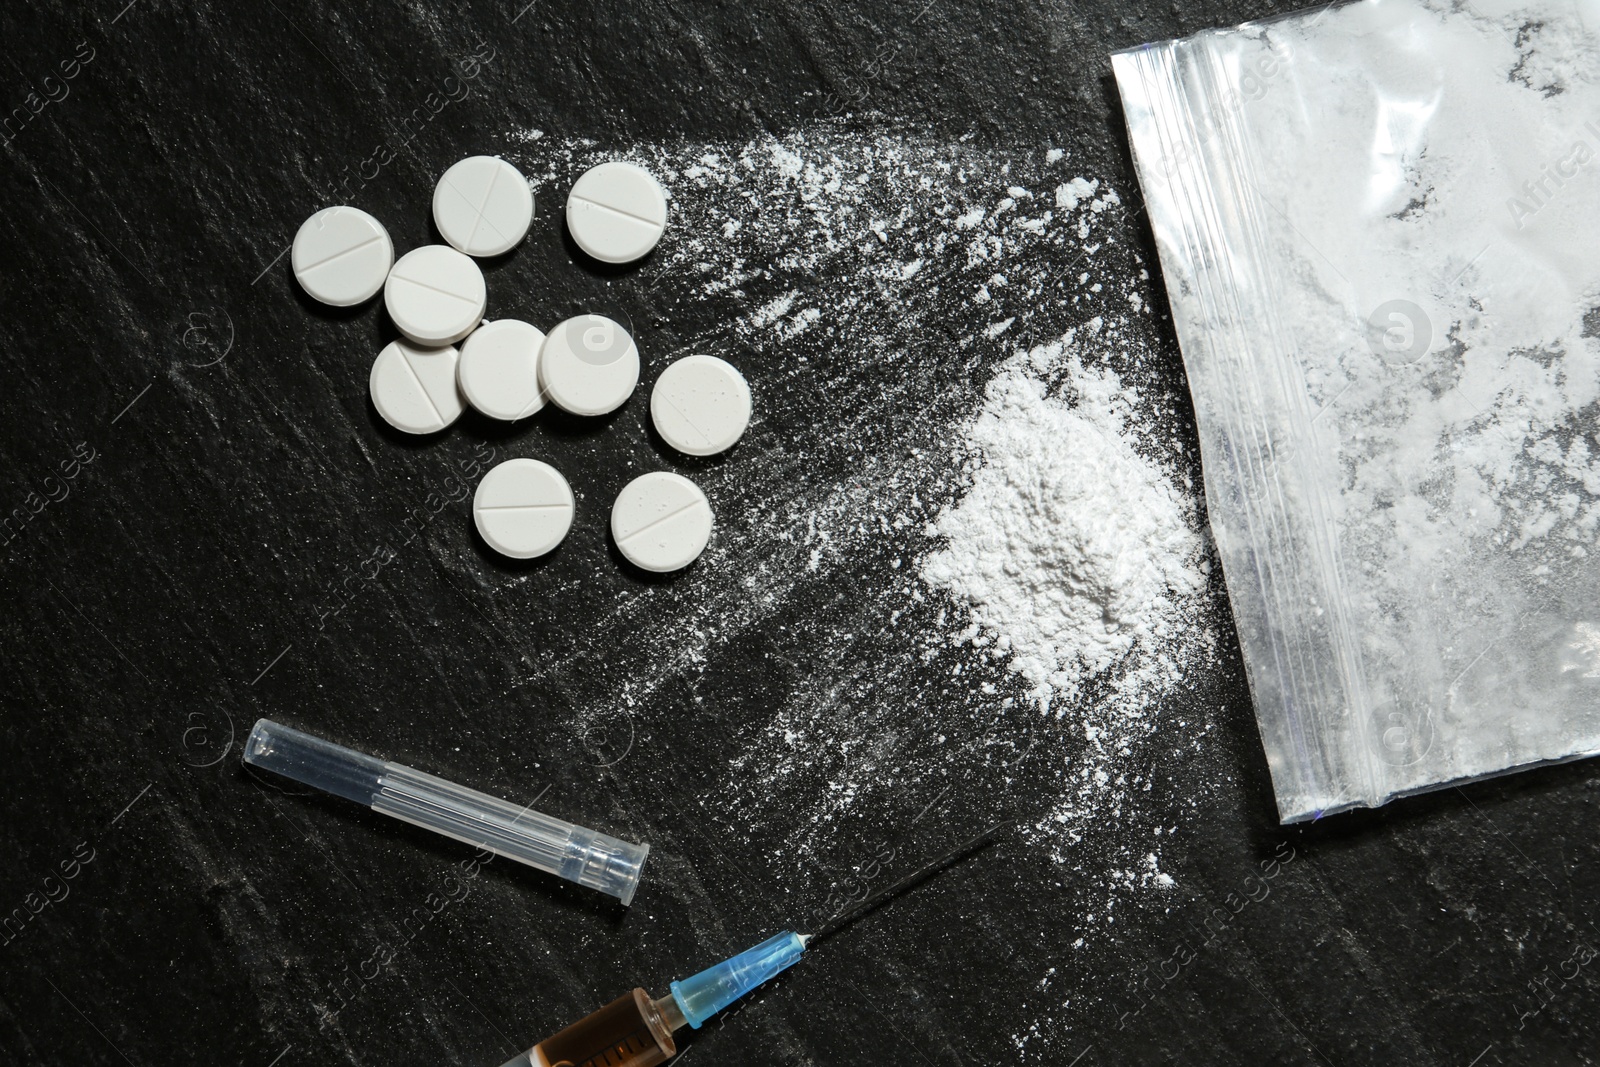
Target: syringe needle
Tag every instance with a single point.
(636, 1031)
(908, 883)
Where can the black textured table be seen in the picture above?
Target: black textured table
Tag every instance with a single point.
(209, 524)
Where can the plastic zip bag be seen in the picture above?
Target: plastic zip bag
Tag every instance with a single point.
(1380, 230)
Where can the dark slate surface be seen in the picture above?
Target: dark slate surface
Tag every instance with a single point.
(172, 594)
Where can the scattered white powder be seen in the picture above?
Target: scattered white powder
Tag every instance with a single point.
(923, 319)
(1147, 873)
(876, 210)
(1075, 192)
(1071, 547)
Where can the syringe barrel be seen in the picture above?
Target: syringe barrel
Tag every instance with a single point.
(575, 853)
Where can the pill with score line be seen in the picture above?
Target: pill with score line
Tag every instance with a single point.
(523, 508)
(661, 522)
(435, 295)
(482, 206)
(341, 256)
(616, 212)
(700, 405)
(414, 388)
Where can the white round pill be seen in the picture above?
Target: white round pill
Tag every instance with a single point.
(414, 389)
(700, 405)
(341, 256)
(482, 206)
(589, 365)
(499, 371)
(616, 212)
(661, 521)
(435, 295)
(523, 508)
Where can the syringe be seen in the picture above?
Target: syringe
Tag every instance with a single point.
(575, 853)
(635, 1030)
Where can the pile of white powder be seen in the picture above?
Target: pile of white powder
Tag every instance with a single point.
(1074, 551)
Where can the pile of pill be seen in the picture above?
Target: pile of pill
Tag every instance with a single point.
(450, 356)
